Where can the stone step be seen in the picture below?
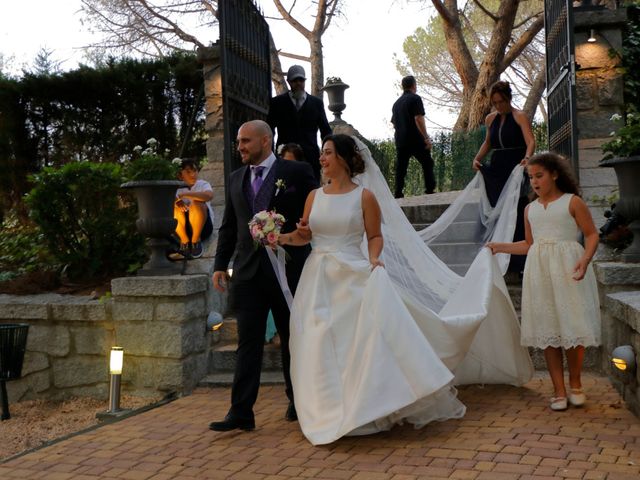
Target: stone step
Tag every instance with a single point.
(229, 330)
(455, 253)
(459, 232)
(431, 212)
(222, 358)
(225, 379)
(592, 361)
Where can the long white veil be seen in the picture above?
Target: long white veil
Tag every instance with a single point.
(469, 320)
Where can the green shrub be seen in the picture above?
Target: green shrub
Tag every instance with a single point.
(22, 249)
(85, 224)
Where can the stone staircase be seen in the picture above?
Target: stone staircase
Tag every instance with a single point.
(454, 247)
(222, 358)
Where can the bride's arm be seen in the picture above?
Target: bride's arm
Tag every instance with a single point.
(301, 235)
(372, 226)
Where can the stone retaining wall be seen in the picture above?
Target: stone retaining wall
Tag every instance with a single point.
(619, 288)
(159, 321)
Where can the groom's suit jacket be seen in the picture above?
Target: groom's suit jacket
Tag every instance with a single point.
(240, 207)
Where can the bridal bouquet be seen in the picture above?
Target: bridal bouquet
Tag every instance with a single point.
(265, 228)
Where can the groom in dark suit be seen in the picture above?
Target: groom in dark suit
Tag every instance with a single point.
(255, 289)
(297, 116)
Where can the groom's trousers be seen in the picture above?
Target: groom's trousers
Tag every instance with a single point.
(251, 301)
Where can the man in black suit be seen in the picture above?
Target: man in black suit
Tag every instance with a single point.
(297, 117)
(411, 136)
(255, 289)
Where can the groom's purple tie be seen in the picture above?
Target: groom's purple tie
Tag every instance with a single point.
(257, 180)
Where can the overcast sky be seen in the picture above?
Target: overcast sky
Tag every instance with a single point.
(358, 47)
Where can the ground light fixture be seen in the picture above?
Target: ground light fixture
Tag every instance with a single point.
(624, 358)
(116, 359)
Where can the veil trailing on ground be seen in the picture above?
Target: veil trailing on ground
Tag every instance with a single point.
(469, 320)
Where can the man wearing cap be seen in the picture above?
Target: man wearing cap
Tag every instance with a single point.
(296, 117)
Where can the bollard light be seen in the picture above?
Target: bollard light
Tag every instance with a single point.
(115, 361)
(115, 369)
(623, 358)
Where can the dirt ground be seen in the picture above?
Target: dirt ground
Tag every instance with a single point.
(35, 422)
(48, 281)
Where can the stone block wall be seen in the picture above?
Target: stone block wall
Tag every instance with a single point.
(619, 288)
(159, 321)
(599, 92)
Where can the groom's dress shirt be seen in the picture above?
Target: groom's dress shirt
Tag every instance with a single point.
(267, 163)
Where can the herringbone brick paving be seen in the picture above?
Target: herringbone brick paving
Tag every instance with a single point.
(507, 433)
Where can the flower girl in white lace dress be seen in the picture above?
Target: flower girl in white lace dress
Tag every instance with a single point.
(560, 307)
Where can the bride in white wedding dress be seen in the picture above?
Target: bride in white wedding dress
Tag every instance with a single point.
(378, 336)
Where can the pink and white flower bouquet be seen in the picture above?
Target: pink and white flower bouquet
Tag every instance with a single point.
(265, 228)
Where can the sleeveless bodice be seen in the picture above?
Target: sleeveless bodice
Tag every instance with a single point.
(555, 223)
(506, 136)
(336, 221)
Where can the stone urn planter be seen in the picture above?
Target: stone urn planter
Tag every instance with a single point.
(155, 221)
(628, 173)
(335, 93)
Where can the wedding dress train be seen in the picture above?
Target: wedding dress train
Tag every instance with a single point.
(372, 349)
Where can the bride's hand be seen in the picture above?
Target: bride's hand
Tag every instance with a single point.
(303, 229)
(376, 262)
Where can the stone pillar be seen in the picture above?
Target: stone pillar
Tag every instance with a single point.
(161, 324)
(213, 172)
(599, 87)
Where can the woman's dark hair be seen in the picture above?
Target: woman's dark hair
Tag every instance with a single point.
(347, 149)
(189, 162)
(554, 163)
(294, 149)
(501, 87)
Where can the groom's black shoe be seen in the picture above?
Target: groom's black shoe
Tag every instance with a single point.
(291, 415)
(230, 423)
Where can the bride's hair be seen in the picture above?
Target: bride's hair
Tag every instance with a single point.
(347, 149)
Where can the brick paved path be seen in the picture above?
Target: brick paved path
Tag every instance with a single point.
(508, 433)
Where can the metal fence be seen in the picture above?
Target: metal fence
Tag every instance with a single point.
(246, 70)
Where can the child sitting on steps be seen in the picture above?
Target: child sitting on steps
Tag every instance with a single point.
(192, 210)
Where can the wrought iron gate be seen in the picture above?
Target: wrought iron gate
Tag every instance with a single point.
(246, 71)
(561, 79)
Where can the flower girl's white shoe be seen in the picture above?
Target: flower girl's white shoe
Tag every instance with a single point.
(577, 398)
(558, 404)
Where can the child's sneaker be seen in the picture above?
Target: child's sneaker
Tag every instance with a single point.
(196, 250)
(182, 253)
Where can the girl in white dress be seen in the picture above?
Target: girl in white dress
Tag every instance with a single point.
(359, 361)
(560, 307)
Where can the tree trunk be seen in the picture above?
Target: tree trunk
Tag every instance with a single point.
(317, 66)
(535, 94)
(456, 44)
(277, 75)
(490, 69)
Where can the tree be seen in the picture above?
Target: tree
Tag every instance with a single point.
(326, 10)
(479, 57)
(147, 28)
(45, 63)
(167, 25)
